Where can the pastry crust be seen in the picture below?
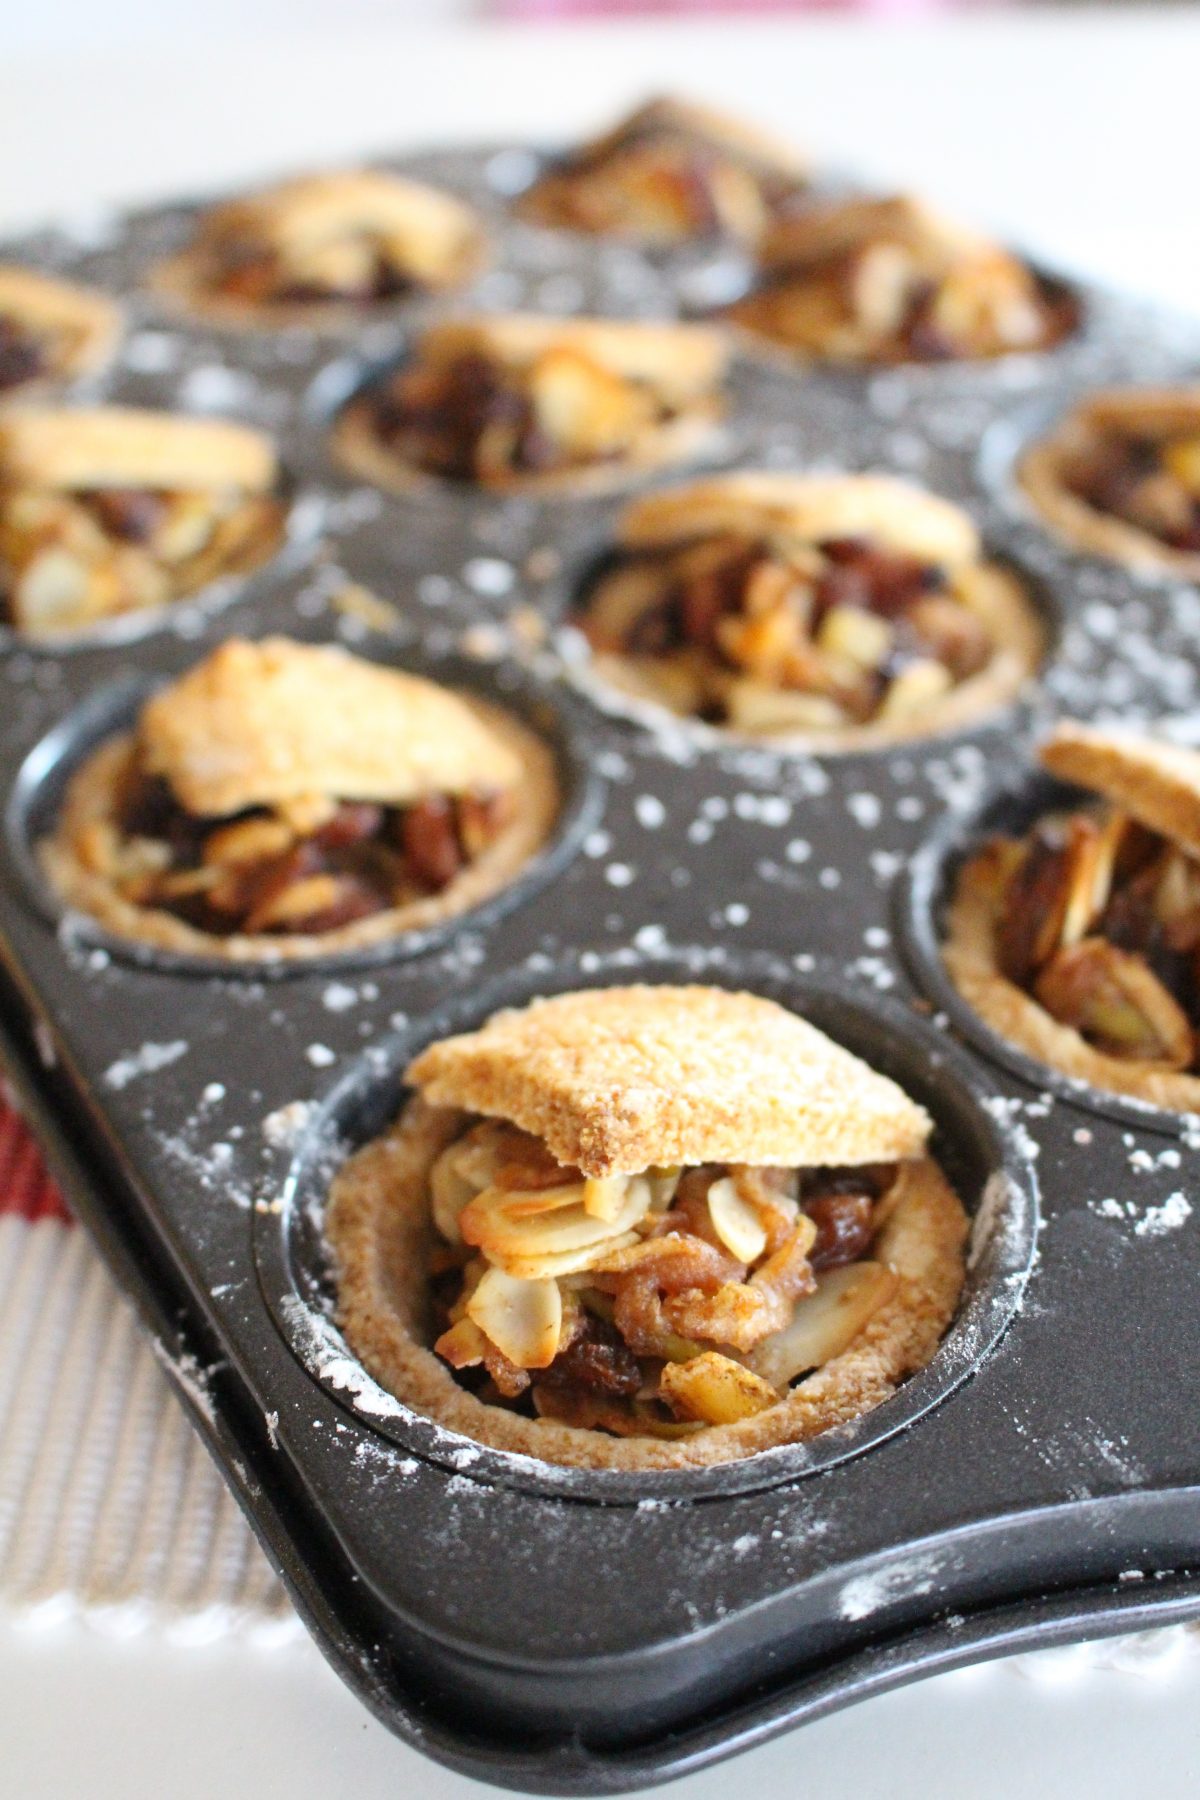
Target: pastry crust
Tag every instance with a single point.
(815, 509)
(85, 323)
(970, 955)
(615, 1080)
(259, 723)
(1157, 783)
(811, 508)
(120, 447)
(726, 148)
(437, 237)
(684, 364)
(817, 232)
(380, 1233)
(681, 362)
(838, 283)
(91, 799)
(750, 143)
(1043, 471)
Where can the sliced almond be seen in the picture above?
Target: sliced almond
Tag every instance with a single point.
(826, 1323)
(604, 1198)
(489, 1223)
(522, 1318)
(535, 1266)
(715, 1389)
(735, 1221)
(916, 686)
(247, 841)
(449, 1193)
(462, 1346)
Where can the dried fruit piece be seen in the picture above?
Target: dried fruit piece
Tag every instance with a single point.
(522, 1318)
(1114, 1000)
(1058, 890)
(715, 1390)
(826, 1322)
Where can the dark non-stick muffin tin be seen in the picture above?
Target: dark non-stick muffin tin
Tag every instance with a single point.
(570, 1631)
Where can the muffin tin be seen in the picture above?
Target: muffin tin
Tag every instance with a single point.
(583, 1632)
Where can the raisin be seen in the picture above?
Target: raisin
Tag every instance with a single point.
(352, 823)
(843, 1223)
(132, 514)
(430, 841)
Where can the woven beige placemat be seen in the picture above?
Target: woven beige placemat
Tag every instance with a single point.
(110, 1506)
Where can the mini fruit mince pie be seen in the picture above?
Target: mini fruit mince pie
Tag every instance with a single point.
(1080, 942)
(646, 1227)
(322, 243)
(1120, 476)
(669, 174)
(284, 800)
(848, 610)
(116, 510)
(50, 331)
(888, 281)
(521, 403)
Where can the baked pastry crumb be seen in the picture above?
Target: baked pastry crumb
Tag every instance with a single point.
(1080, 942)
(518, 403)
(50, 330)
(836, 611)
(283, 800)
(1120, 476)
(670, 173)
(116, 510)
(324, 245)
(885, 281)
(646, 1227)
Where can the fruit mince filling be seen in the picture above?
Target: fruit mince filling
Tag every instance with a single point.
(862, 629)
(473, 417)
(22, 357)
(1151, 483)
(310, 868)
(653, 1304)
(1098, 918)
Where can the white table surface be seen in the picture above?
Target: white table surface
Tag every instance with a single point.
(1074, 132)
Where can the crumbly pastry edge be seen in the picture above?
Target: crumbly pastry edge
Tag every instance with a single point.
(378, 1229)
(89, 795)
(969, 954)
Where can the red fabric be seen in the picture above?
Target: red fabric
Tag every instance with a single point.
(25, 1187)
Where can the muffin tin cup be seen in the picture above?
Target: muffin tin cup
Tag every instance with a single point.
(549, 1629)
(41, 782)
(984, 1161)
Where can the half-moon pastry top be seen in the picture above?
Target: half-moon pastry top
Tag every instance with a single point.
(1120, 476)
(324, 243)
(643, 1227)
(889, 281)
(50, 330)
(114, 510)
(839, 610)
(282, 799)
(668, 174)
(1080, 942)
(521, 402)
